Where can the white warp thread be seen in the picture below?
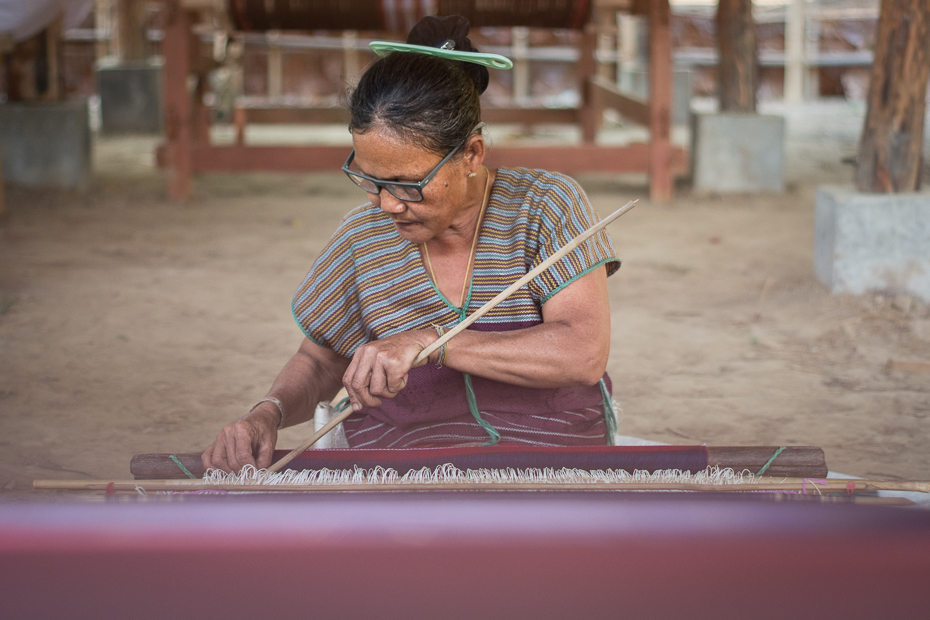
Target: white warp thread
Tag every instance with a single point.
(449, 474)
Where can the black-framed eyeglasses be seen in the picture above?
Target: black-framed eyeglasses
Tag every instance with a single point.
(402, 190)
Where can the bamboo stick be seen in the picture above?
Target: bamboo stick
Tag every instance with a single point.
(807, 486)
(341, 394)
(477, 314)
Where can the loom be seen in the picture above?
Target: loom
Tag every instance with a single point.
(187, 149)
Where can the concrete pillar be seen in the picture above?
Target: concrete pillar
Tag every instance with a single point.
(738, 152)
(130, 97)
(795, 37)
(46, 144)
(872, 242)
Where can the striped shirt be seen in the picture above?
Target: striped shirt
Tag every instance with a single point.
(369, 283)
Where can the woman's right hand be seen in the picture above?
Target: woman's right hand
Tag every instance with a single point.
(250, 440)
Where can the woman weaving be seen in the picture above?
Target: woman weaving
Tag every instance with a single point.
(441, 235)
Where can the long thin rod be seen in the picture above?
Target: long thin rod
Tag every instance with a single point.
(474, 316)
(807, 486)
(290, 456)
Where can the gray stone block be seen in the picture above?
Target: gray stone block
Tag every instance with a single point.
(130, 98)
(872, 242)
(46, 144)
(738, 152)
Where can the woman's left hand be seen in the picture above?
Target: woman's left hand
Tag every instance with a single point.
(379, 369)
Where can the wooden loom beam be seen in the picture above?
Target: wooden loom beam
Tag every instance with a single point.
(804, 486)
(792, 462)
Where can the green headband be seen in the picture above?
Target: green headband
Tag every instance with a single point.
(495, 61)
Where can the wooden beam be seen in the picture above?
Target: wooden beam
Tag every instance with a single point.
(567, 159)
(131, 39)
(890, 147)
(293, 116)
(661, 180)
(531, 116)
(299, 116)
(737, 75)
(631, 108)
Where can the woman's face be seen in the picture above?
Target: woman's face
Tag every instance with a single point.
(383, 155)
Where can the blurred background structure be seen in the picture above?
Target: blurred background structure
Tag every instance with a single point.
(254, 65)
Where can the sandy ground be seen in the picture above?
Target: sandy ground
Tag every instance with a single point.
(131, 324)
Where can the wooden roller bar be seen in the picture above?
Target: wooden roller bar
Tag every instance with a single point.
(792, 462)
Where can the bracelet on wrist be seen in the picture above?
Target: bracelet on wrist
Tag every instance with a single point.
(441, 356)
(276, 403)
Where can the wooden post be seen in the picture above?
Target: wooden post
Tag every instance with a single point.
(131, 38)
(54, 35)
(102, 30)
(2, 193)
(890, 147)
(521, 65)
(628, 27)
(275, 65)
(33, 68)
(661, 182)
(812, 75)
(737, 76)
(795, 36)
(606, 47)
(178, 114)
(590, 115)
(351, 59)
(239, 120)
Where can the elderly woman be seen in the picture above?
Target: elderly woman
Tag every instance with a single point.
(441, 235)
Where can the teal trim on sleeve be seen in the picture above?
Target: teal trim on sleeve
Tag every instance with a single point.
(600, 263)
(305, 332)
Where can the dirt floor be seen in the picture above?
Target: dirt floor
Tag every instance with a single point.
(131, 324)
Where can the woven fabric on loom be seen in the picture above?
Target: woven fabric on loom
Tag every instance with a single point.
(630, 458)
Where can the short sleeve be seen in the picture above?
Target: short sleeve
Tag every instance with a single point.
(561, 211)
(331, 285)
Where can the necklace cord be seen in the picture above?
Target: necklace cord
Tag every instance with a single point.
(474, 243)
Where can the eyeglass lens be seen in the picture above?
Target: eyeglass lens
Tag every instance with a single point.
(401, 192)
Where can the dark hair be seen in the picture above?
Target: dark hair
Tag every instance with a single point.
(429, 101)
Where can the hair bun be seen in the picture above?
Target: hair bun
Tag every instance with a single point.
(434, 31)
